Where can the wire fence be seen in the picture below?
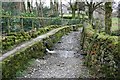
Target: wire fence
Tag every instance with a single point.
(20, 23)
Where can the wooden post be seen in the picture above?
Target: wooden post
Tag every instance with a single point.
(22, 29)
(8, 25)
(32, 24)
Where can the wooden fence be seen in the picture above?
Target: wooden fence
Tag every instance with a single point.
(43, 21)
(33, 19)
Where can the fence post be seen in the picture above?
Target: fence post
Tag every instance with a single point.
(32, 24)
(8, 25)
(22, 25)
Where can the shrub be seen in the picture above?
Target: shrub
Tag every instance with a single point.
(116, 33)
(102, 53)
(74, 21)
(56, 21)
(15, 62)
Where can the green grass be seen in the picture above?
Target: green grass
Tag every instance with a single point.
(114, 24)
(70, 15)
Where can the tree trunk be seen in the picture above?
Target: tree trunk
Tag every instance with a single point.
(73, 13)
(41, 13)
(37, 9)
(41, 9)
(108, 17)
(61, 9)
(90, 14)
(51, 7)
(29, 6)
(24, 9)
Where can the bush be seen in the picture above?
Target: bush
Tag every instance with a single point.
(56, 21)
(116, 33)
(15, 62)
(102, 53)
(74, 21)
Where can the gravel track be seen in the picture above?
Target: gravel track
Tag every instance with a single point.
(67, 62)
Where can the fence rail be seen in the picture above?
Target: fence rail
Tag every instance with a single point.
(3, 16)
(27, 23)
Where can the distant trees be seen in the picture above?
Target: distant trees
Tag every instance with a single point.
(39, 8)
(23, 6)
(61, 11)
(51, 6)
(54, 7)
(76, 6)
(80, 7)
(92, 6)
(29, 6)
(73, 7)
(14, 8)
(119, 10)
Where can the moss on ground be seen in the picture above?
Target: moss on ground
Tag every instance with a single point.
(17, 62)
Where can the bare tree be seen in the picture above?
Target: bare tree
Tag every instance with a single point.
(73, 7)
(23, 6)
(92, 6)
(56, 6)
(29, 6)
(39, 8)
(80, 7)
(51, 6)
(61, 9)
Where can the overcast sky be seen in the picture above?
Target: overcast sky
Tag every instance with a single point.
(47, 2)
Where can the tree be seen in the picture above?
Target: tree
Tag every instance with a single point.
(39, 8)
(29, 6)
(51, 7)
(56, 7)
(61, 9)
(23, 6)
(80, 7)
(119, 10)
(73, 7)
(108, 17)
(14, 7)
(92, 6)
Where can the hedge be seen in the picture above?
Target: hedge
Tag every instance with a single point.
(16, 62)
(102, 53)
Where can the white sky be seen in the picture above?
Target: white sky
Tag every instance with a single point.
(47, 2)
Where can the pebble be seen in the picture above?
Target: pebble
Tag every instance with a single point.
(62, 67)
